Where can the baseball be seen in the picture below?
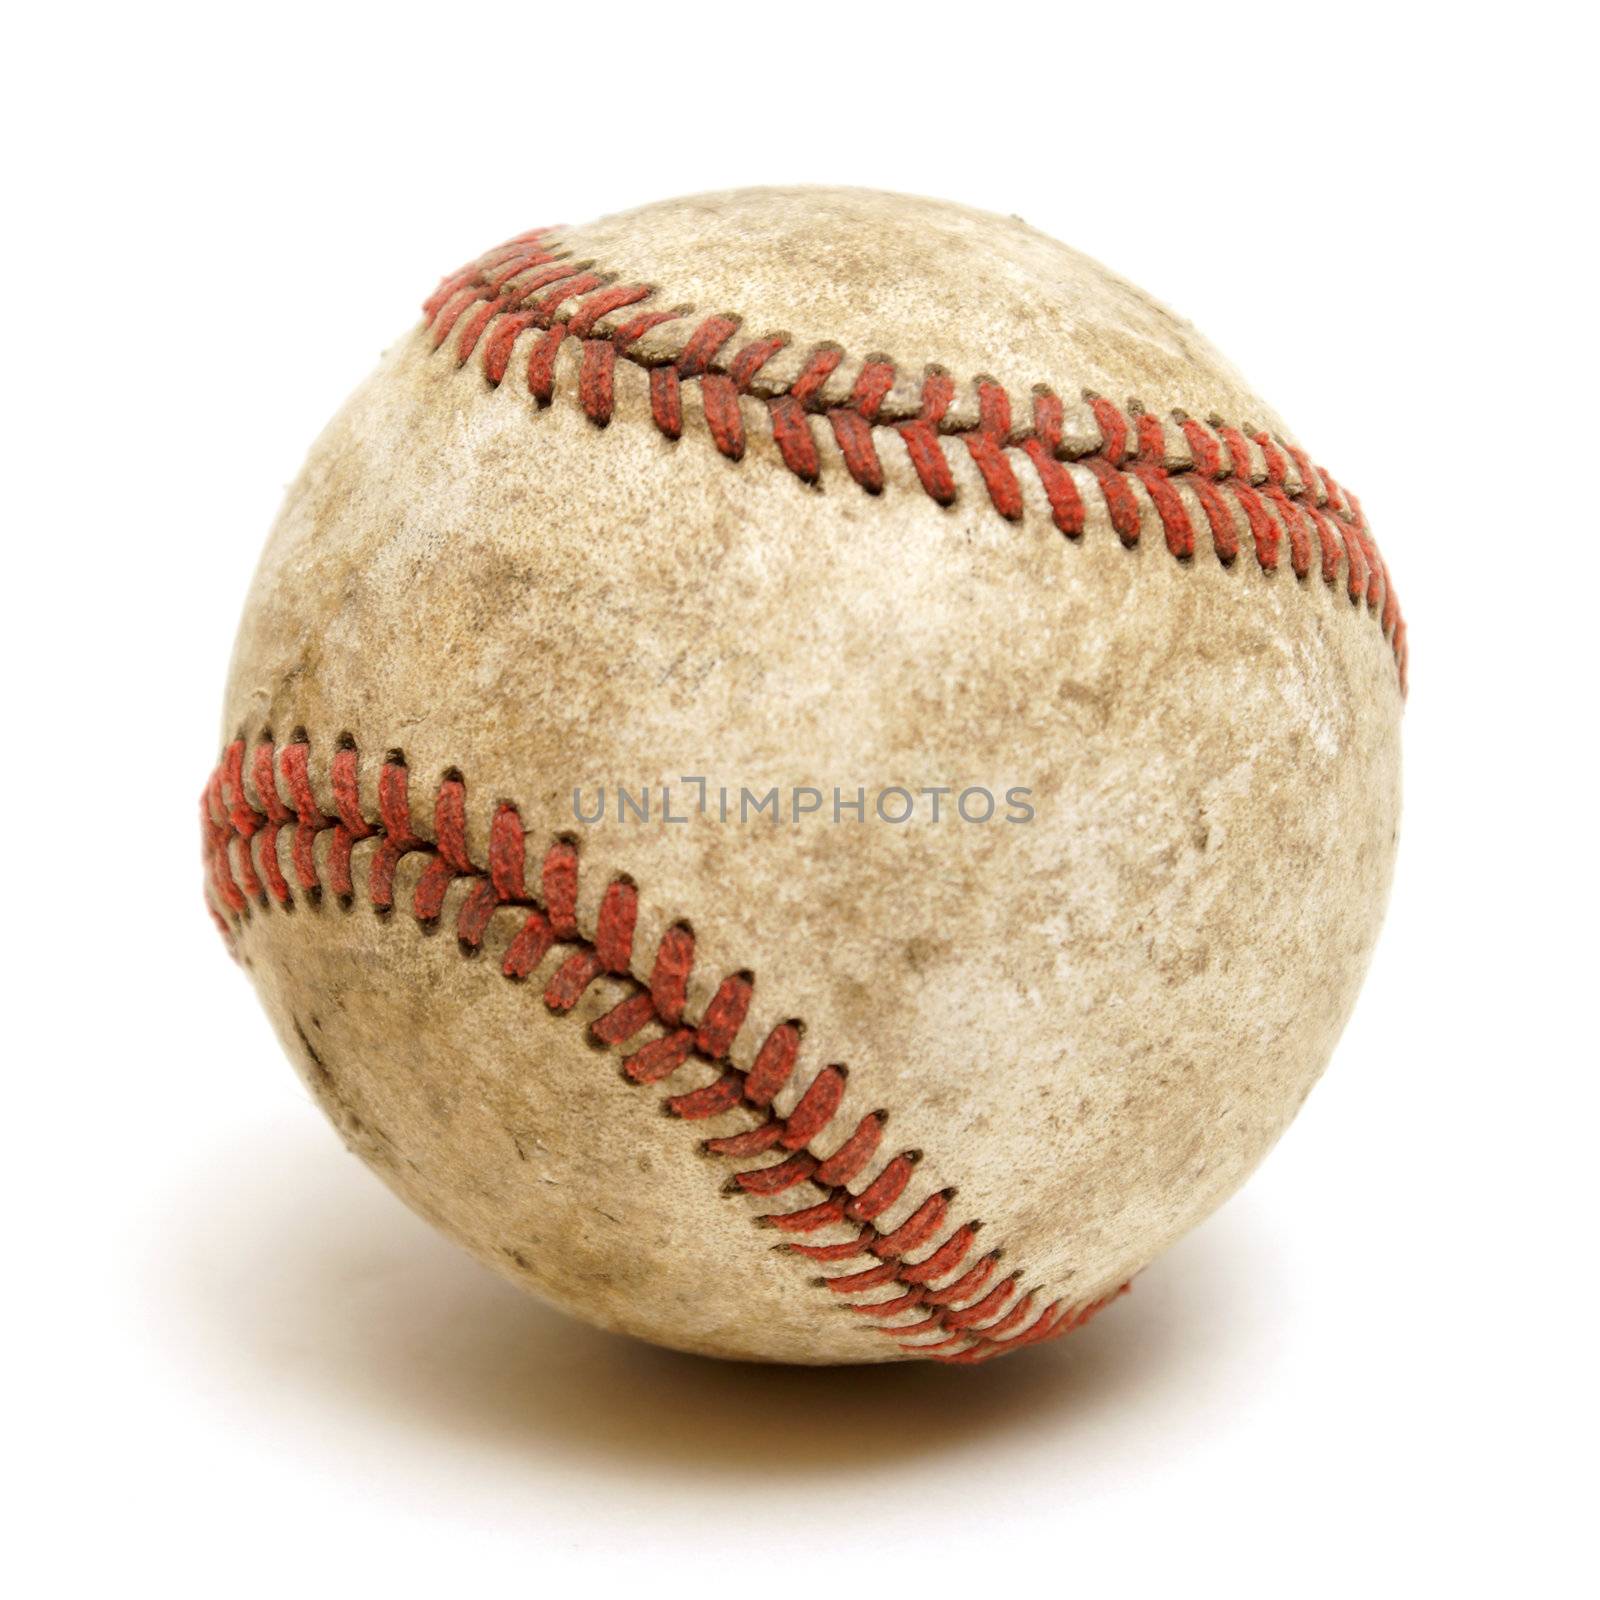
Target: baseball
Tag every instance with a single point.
(809, 774)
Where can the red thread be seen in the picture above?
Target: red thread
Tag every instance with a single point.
(773, 1064)
(1291, 516)
(752, 1142)
(582, 323)
(669, 981)
(872, 388)
(920, 1259)
(815, 1110)
(666, 401)
(711, 1101)
(988, 450)
(1239, 451)
(1113, 429)
(703, 345)
(1277, 462)
(491, 302)
(822, 1215)
(750, 360)
(1120, 503)
(497, 352)
(542, 366)
(472, 329)
(928, 460)
(916, 1230)
(613, 940)
(660, 1058)
(631, 332)
(1066, 505)
(778, 1177)
(724, 1016)
(816, 372)
(791, 432)
(584, 283)
(1224, 536)
(721, 402)
(1152, 440)
(853, 1155)
(1169, 507)
(1204, 448)
(572, 978)
(884, 1190)
(595, 379)
(1262, 528)
(854, 436)
(620, 1024)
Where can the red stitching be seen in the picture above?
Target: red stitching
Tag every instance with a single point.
(240, 839)
(1273, 491)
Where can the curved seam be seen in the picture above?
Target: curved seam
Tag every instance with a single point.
(970, 1313)
(1244, 486)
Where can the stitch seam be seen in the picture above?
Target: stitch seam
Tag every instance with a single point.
(1238, 485)
(971, 1312)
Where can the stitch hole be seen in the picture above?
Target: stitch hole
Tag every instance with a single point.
(345, 741)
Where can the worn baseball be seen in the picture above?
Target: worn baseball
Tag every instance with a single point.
(809, 774)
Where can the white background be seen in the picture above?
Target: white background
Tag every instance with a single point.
(239, 1367)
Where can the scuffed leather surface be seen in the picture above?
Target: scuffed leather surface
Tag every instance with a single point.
(922, 283)
(1092, 1026)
